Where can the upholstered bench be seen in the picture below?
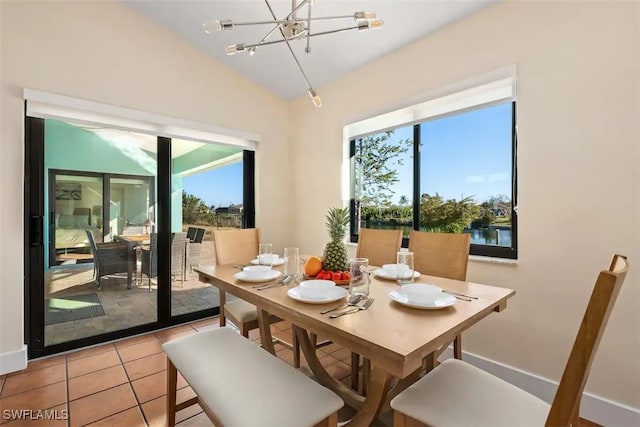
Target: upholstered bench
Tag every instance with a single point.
(237, 383)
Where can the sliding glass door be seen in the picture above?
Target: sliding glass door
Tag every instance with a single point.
(117, 222)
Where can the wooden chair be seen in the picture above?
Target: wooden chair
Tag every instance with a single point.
(456, 393)
(239, 247)
(443, 255)
(380, 247)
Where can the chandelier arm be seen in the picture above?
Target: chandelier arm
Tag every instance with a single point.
(307, 49)
(290, 21)
(266, 43)
(295, 58)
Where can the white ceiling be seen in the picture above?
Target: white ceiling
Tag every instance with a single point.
(331, 57)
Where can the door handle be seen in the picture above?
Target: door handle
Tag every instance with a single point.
(37, 230)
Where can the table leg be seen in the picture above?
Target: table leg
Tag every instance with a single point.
(265, 331)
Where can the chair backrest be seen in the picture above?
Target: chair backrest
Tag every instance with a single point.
(92, 244)
(379, 246)
(199, 235)
(440, 254)
(566, 404)
(191, 233)
(236, 246)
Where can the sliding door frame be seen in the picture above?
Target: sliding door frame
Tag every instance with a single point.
(34, 262)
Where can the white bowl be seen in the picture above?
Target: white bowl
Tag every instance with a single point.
(256, 271)
(421, 293)
(316, 289)
(267, 258)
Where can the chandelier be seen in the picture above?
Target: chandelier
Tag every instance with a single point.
(290, 28)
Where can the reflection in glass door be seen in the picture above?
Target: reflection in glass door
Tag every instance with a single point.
(76, 208)
(101, 195)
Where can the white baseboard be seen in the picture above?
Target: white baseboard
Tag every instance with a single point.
(13, 361)
(593, 408)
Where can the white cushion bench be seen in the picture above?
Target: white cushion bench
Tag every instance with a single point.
(237, 383)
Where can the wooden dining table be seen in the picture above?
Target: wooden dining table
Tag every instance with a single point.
(397, 340)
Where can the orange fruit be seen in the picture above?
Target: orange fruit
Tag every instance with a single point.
(313, 266)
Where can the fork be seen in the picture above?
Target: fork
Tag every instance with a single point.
(454, 293)
(354, 309)
(284, 281)
(353, 300)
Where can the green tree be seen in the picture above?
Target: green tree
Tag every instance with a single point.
(195, 210)
(450, 216)
(377, 161)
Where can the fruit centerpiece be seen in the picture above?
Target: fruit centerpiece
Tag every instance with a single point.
(334, 265)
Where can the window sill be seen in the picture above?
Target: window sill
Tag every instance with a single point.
(493, 260)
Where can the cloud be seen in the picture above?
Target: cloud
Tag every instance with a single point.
(497, 177)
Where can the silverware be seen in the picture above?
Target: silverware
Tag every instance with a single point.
(240, 266)
(355, 308)
(461, 298)
(454, 293)
(353, 300)
(284, 281)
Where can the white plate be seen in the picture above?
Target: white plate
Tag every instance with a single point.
(384, 275)
(442, 301)
(276, 263)
(335, 294)
(272, 274)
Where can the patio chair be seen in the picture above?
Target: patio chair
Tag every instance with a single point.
(194, 248)
(443, 255)
(238, 246)
(149, 256)
(108, 258)
(191, 233)
(457, 393)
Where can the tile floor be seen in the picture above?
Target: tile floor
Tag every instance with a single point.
(123, 307)
(124, 383)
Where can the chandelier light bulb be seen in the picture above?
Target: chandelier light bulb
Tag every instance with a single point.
(315, 98)
(364, 15)
(252, 51)
(366, 25)
(217, 25)
(234, 48)
(376, 24)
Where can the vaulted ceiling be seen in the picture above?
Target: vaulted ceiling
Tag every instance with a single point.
(331, 57)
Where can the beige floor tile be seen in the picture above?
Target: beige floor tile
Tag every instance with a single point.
(33, 379)
(93, 363)
(146, 366)
(101, 405)
(96, 381)
(129, 418)
(142, 349)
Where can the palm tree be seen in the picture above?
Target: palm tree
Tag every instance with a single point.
(404, 200)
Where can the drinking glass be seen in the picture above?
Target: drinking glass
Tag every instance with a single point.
(405, 268)
(265, 254)
(359, 277)
(292, 261)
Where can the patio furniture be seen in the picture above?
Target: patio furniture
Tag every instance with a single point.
(443, 255)
(191, 233)
(149, 264)
(393, 337)
(109, 258)
(456, 393)
(194, 247)
(238, 384)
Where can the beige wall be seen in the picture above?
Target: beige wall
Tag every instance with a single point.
(578, 163)
(107, 52)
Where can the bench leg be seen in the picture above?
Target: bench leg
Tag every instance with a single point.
(457, 347)
(223, 301)
(330, 421)
(296, 351)
(172, 383)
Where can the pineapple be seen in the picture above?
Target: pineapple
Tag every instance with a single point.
(335, 252)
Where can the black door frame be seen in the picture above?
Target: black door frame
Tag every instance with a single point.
(34, 217)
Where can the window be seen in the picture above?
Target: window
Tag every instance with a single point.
(451, 173)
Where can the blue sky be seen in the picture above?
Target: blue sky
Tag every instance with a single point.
(468, 154)
(219, 187)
